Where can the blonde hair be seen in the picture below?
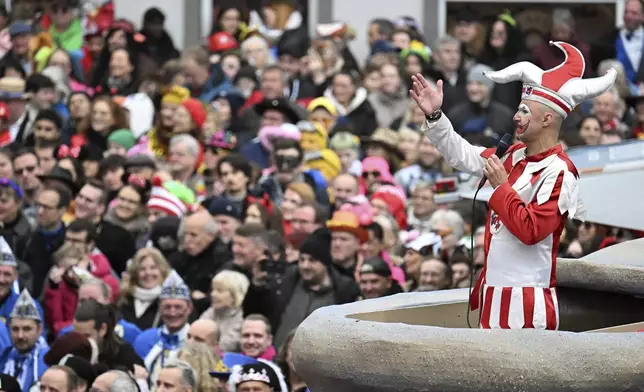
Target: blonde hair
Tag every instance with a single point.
(129, 284)
(304, 190)
(67, 251)
(235, 282)
(203, 359)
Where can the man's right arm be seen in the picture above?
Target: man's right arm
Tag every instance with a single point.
(458, 153)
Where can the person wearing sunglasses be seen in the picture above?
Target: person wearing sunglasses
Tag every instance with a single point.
(26, 169)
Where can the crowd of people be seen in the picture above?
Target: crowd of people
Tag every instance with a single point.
(169, 217)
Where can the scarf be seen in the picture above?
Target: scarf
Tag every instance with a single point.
(136, 225)
(23, 367)
(166, 346)
(143, 298)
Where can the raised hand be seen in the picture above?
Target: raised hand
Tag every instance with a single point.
(427, 98)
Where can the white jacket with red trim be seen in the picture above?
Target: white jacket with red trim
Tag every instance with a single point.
(527, 216)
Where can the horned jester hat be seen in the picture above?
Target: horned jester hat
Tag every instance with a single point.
(560, 88)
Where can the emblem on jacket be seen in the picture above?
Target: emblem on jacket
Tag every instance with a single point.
(495, 223)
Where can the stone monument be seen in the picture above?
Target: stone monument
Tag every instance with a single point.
(421, 341)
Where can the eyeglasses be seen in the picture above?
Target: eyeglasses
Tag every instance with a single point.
(45, 207)
(368, 174)
(26, 169)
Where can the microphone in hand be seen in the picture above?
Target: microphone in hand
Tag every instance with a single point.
(501, 149)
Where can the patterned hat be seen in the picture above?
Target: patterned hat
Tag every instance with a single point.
(254, 372)
(175, 288)
(8, 258)
(560, 88)
(25, 307)
(170, 197)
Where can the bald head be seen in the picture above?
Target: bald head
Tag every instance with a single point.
(204, 331)
(344, 186)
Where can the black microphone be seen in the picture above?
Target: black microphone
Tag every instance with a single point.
(501, 148)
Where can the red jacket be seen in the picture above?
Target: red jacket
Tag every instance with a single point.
(61, 301)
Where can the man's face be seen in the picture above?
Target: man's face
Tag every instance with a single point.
(175, 313)
(54, 380)
(287, 163)
(373, 247)
(26, 170)
(62, 15)
(255, 338)
(374, 285)
(195, 238)
(604, 107)
(428, 155)
(169, 380)
(88, 203)
(432, 273)
(290, 65)
(49, 213)
(180, 159)
(200, 333)
(311, 271)
(449, 56)
(195, 75)
(273, 118)
(20, 44)
(46, 130)
(422, 202)
(89, 330)
(226, 227)
(92, 291)
(304, 220)
(44, 98)
(245, 251)
(460, 271)
(633, 15)
(9, 206)
(477, 92)
(344, 246)
(528, 121)
(344, 187)
(78, 239)
(272, 85)
(8, 275)
(253, 386)
(234, 180)
(24, 333)
(46, 158)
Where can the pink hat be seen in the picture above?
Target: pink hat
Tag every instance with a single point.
(380, 165)
(266, 135)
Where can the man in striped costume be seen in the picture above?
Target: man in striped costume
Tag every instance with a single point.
(535, 188)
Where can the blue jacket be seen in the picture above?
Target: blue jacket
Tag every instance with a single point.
(217, 82)
(32, 370)
(124, 329)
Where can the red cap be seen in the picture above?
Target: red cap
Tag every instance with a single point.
(196, 110)
(222, 42)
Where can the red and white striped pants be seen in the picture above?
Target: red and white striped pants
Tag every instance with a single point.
(519, 307)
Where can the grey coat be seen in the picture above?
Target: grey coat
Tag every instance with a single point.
(229, 323)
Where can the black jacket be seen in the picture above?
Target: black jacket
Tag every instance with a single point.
(272, 302)
(37, 255)
(148, 319)
(116, 244)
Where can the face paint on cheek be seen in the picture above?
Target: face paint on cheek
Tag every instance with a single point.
(525, 115)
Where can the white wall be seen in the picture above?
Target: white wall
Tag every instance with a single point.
(133, 10)
(360, 12)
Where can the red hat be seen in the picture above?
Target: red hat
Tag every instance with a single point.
(396, 202)
(560, 88)
(222, 42)
(196, 110)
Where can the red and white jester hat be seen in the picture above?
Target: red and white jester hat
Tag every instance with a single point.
(560, 88)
